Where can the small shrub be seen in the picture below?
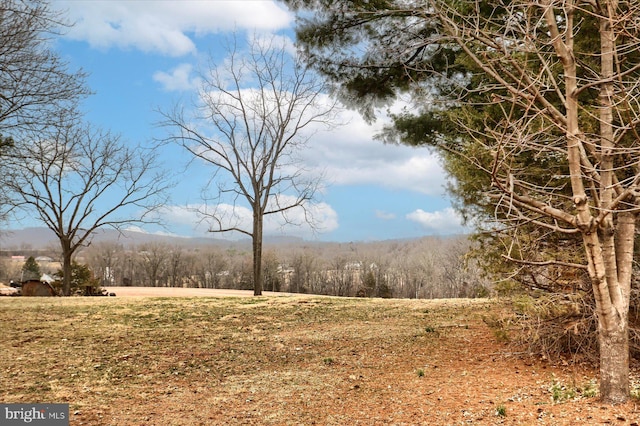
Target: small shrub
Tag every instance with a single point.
(501, 410)
(590, 390)
(328, 361)
(420, 372)
(499, 326)
(561, 393)
(552, 325)
(483, 292)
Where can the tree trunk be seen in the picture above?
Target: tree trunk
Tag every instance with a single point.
(613, 324)
(257, 253)
(614, 362)
(66, 267)
(612, 306)
(616, 240)
(606, 247)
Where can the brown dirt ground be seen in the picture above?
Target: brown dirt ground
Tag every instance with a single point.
(283, 361)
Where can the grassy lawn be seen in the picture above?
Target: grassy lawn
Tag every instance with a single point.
(281, 360)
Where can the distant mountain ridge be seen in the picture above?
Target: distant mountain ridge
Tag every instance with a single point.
(40, 238)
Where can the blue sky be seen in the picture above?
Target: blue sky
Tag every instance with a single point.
(144, 55)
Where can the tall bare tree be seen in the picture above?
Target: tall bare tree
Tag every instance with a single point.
(577, 107)
(75, 180)
(253, 114)
(35, 83)
(154, 261)
(106, 260)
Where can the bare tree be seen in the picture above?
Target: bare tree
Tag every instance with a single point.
(210, 266)
(253, 115)
(154, 261)
(304, 268)
(35, 84)
(76, 180)
(177, 267)
(563, 80)
(106, 260)
(270, 271)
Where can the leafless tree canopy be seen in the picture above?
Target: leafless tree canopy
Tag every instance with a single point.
(35, 84)
(422, 268)
(34, 81)
(76, 179)
(253, 114)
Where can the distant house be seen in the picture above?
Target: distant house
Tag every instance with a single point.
(47, 278)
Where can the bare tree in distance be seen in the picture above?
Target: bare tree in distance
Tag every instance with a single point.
(154, 261)
(252, 116)
(106, 259)
(75, 180)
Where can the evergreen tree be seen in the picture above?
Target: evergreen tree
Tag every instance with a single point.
(31, 270)
(81, 277)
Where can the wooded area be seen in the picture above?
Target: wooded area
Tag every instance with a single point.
(419, 268)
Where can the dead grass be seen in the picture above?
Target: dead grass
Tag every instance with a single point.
(281, 361)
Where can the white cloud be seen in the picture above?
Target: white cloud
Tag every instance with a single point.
(319, 216)
(349, 155)
(442, 222)
(167, 27)
(190, 217)
(178, 79)
(265, 39)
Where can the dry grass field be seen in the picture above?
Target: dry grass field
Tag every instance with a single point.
(291, 360)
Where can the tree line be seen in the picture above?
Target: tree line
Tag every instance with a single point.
(428, 267)
(421, 268)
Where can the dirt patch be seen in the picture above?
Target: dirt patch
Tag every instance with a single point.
(284, 361)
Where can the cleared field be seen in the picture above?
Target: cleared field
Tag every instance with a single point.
(282, 361)
(184, 292)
